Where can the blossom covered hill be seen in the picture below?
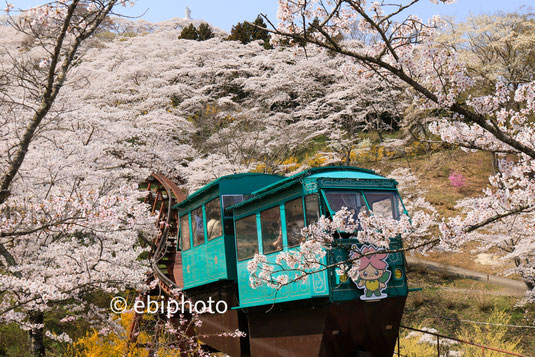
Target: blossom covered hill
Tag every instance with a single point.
(196, 110)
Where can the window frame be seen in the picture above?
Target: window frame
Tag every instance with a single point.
(362, 192)
(302, 199)
(305, 207)
(397, 197)
(188, 216)
(205, 219)
(282, 233)
(324, 195)
(203, 225)
(223, 209)
(228, 219)
(256, 216)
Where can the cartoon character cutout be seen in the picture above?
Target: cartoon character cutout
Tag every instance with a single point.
(373, 275)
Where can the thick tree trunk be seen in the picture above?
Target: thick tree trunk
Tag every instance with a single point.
(36, 335)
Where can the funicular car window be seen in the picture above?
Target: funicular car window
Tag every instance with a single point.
(352, 200)
(270, 221)
(294, 221)
(197, 226)
(228, 222)
(213, 219)
(246, 237)
(383, 203)
(184, 232)
(231, 200)
(312, 209)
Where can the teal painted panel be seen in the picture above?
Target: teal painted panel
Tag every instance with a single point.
(356, 183)
(205, 263)
(231, 184)
(268, 202)
(191, 204)
(329, 172)
(316, 286)
(318, 172)
(230, 248)
(345, 289)
(345, 174)
(246, 183)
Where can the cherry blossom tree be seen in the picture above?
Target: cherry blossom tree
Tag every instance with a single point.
(406, 50)
(494, 48)
(60, 28)
(218, 107)
(70, 212)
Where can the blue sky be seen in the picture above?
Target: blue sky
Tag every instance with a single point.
(224, 14)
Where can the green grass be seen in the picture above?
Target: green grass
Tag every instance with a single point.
(437, 307)
(13, 341)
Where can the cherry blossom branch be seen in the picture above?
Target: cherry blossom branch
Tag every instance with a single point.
(63, 221)
(521, 209)
(271, 279)
(398, 71)
(325, 235)
(53, 86)
(376, 26)
(400, 9)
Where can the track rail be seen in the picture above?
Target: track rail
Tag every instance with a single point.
(167, 194)
(174, 195)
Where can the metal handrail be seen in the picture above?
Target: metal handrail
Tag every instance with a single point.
(438, 336)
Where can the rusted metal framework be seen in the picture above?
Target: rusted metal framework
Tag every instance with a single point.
(165, 260)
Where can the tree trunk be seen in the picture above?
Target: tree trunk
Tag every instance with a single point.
(495, 167)
(36, 335)
(155, 338)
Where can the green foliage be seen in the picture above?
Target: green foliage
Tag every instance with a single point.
(495, 334)
(246, 32)
(13, 341)
(203, 33)
(189, 33)
(446, 300)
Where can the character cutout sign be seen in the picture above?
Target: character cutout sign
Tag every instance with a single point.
(373, 275)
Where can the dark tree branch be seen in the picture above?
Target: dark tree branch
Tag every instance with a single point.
(465, 113)
(54, 83)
